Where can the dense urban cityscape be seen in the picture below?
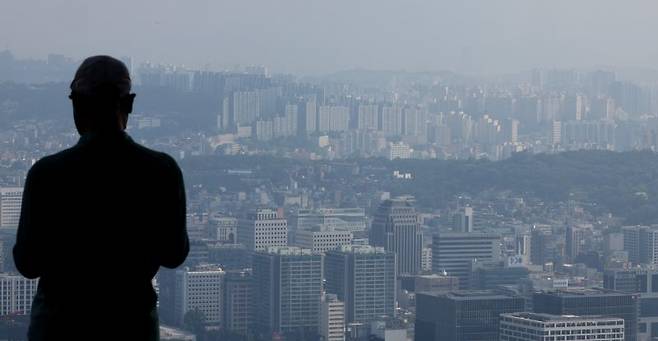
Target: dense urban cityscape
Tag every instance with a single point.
(378, 205)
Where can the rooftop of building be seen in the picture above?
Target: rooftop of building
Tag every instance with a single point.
(360, 249)
(579, 292)
(542, 317)
(471, 295)
(289, 251)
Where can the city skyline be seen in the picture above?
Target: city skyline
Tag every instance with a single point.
(317, 37)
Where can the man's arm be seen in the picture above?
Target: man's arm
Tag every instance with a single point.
(175, 241)
(28, 249)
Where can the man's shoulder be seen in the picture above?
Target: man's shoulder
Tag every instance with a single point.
(52, 161)
(63, 159)
(148, 154)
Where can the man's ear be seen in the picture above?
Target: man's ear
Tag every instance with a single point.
(127, 103)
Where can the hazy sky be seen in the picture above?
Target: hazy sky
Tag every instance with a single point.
(310, 36)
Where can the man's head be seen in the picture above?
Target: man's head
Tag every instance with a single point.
(100, 92)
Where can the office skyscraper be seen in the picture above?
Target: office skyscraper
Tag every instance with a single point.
(363, 277)
(237, 301)
(16, 294)
(641, 243)
(322, 239)
(642, 281)
(262, 229)
(463, 220)
(287, 291)
(454, 253)
(10, 206)
(573, 241)
(547, 327)
(395, 228)
(462, 315)
(632, 242)
(591, 302)
(199, 288)
(544, 245)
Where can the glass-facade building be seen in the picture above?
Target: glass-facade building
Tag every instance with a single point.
(592, 302)
(287, 291)
(462, 315)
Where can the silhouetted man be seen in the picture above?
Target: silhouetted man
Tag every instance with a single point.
(99, 219)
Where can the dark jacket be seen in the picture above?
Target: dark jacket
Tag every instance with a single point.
(97, 222)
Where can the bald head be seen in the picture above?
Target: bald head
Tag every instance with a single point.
(101, 96)
(101, 73)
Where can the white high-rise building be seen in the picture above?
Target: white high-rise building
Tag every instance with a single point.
(262, 229)
(322, 239)
(548, 327)
(246, 106)
(199, 288)
(399, 150)
(332, 319)
(10, 206)
(392, 120)
(16, 294)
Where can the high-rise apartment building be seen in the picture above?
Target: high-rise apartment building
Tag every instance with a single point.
(392, 120)
(332, 319)
(368, 117)
(333, 118)
(311, 116)
(262, 229)
(396, 228)
(454, 253)
(462, 315)
(363, 277)
(10, 206)
(583, 302)
(548, 327)
(287, 291)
